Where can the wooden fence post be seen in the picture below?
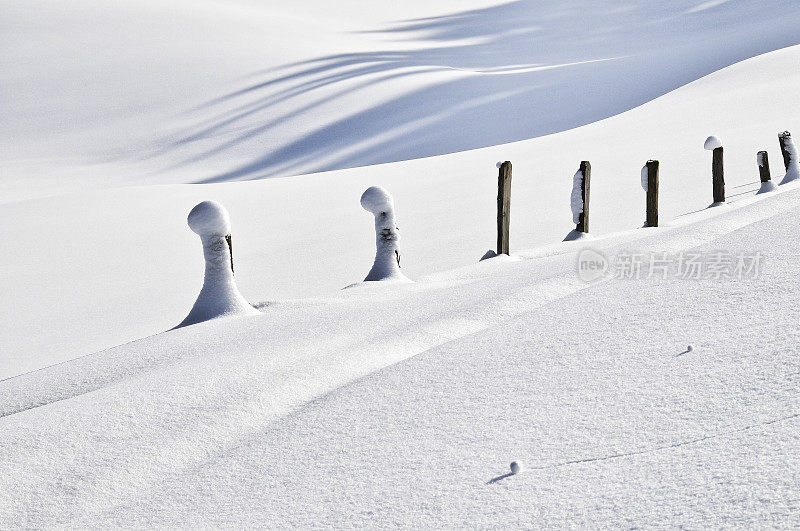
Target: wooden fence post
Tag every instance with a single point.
(583, 217)
(503, 207)
(718, 175)
(230, 248)
(783, 139)
(652, 193)
(763, 166)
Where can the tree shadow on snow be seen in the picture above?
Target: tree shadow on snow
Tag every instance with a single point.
(504, 73)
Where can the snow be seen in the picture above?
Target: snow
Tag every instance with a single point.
(219, 296)
(301, 237)
(793, 169)
(208, 219)
(766, 187)
(216, 424)
(393, 403)
(387, 256)
(644, 177)
(377, 200)
(574, 235)
(576, 197)
(128, 99)
(712, 143)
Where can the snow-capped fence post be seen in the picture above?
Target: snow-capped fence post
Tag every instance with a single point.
(650, 185)
(582, 221)
(219, 295)
(790, 158)
(387, 255)
(717, 171)
(763, 172)
(763, 166)
(784, 139)
(503, 207)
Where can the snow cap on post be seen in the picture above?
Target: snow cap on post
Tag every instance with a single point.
(790, 158)
(712, 143)
(219, 296)
(376, 200)
(209, 218)
(387, 255)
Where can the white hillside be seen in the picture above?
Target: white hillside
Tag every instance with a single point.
(93, 270)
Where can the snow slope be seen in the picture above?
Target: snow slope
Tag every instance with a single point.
(281, 420)
(91, 270)
(115, 93)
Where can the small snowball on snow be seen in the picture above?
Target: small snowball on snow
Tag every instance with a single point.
(376, 200)
(516, 467)
(209, 218)
(712, 142)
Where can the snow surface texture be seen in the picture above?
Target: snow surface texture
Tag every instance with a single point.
(219, 296)
(131, 100)
(712, 143)
(276, 421)
(793, 169)
(387, 255)
(448, 208)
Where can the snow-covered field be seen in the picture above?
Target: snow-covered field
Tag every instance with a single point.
(394, 404)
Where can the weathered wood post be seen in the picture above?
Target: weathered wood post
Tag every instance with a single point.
(784, 139)
(717, 172)
(763, 166)
(763, 171)
(503, 207)
(229, 239)
(583, 217)
(650, 179)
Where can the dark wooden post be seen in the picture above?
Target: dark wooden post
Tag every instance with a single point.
(783, 139)
(583, 217)
(652, 193)
(503, 207)
(718, 175)
(763, 166)
(230, 248)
